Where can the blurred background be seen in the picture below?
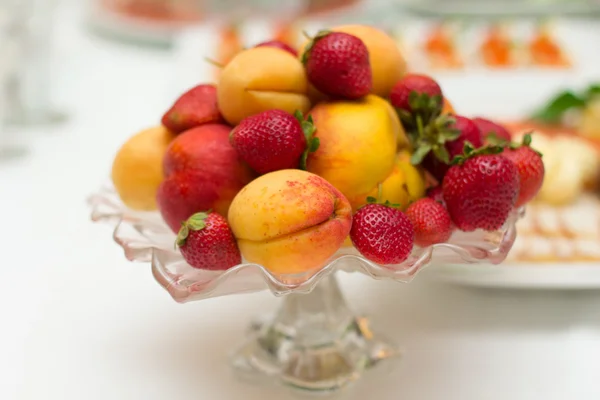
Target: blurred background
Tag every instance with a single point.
(78, 77)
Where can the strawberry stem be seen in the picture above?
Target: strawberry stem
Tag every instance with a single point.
(214, 63)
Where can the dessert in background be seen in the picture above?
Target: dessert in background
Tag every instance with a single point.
(544, 50)
(156, 10)
(563, 222)
(498, 48)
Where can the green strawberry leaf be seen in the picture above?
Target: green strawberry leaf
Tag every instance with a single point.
(371, 200)
(470, 152)
(420, 153)
(309, 130)
(321, 34)
(390, 204)
(182, 235)
(448, 135)
(493, 139)
(196, 222)
(314, 145)
(442, 154)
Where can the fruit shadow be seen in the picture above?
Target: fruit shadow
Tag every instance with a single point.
(427, 305)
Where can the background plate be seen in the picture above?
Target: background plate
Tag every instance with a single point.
(522, 276)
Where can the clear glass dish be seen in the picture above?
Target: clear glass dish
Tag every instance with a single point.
(314, 342)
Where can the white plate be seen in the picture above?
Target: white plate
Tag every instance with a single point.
(522, 276)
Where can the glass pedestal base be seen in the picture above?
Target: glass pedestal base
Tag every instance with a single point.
(314, 343)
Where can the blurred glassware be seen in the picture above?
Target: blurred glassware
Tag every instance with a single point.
(500, 8)
(154, 22)
(158, 22)
(27, 85)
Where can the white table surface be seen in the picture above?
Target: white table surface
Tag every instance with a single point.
(79, 322)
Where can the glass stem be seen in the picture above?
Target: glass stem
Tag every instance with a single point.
(318, 317)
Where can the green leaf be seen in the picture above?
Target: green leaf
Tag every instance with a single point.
(314, 145)
(303, 160)
(556, 108)
(413, 100)
(493, 139)
(197, 221)
(182, 235)
(298, 115)
(371, 200)
(420, 153)
(390, 204)
(442, 154)
(468, 148)
(527, 139)
(448, 135)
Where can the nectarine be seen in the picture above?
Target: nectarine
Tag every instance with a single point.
(202, 172)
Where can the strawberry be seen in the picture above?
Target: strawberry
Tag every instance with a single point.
(530, 166)
(195, 107)
(487, 128)
(430, 220)
(337, 64)
(206, 242)
(402, 96)
(481, 189)
(439, 142)
(279, 45)
(383, 234)
(274, 140)
(469, 132)
(436, 194)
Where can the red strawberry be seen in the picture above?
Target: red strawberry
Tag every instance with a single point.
(337, 64)
(443, 139)
(195, 107)
(206, 242)
(274, 140)
(431, 222)
(481, 189)
(469, 132)
(487, 128)
(421, 85)
(531, 169)
(436, 194)
(382, 234)
(279, 45)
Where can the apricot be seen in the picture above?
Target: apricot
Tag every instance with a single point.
(260, 79)
(358, 142)
(447, 107)
(290, 221)
(137, 168)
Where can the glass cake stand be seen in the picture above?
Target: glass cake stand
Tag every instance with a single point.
(315, 342)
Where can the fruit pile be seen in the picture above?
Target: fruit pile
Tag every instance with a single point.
(294, 154)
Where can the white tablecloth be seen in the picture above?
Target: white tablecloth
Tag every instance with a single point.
(79, 322)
